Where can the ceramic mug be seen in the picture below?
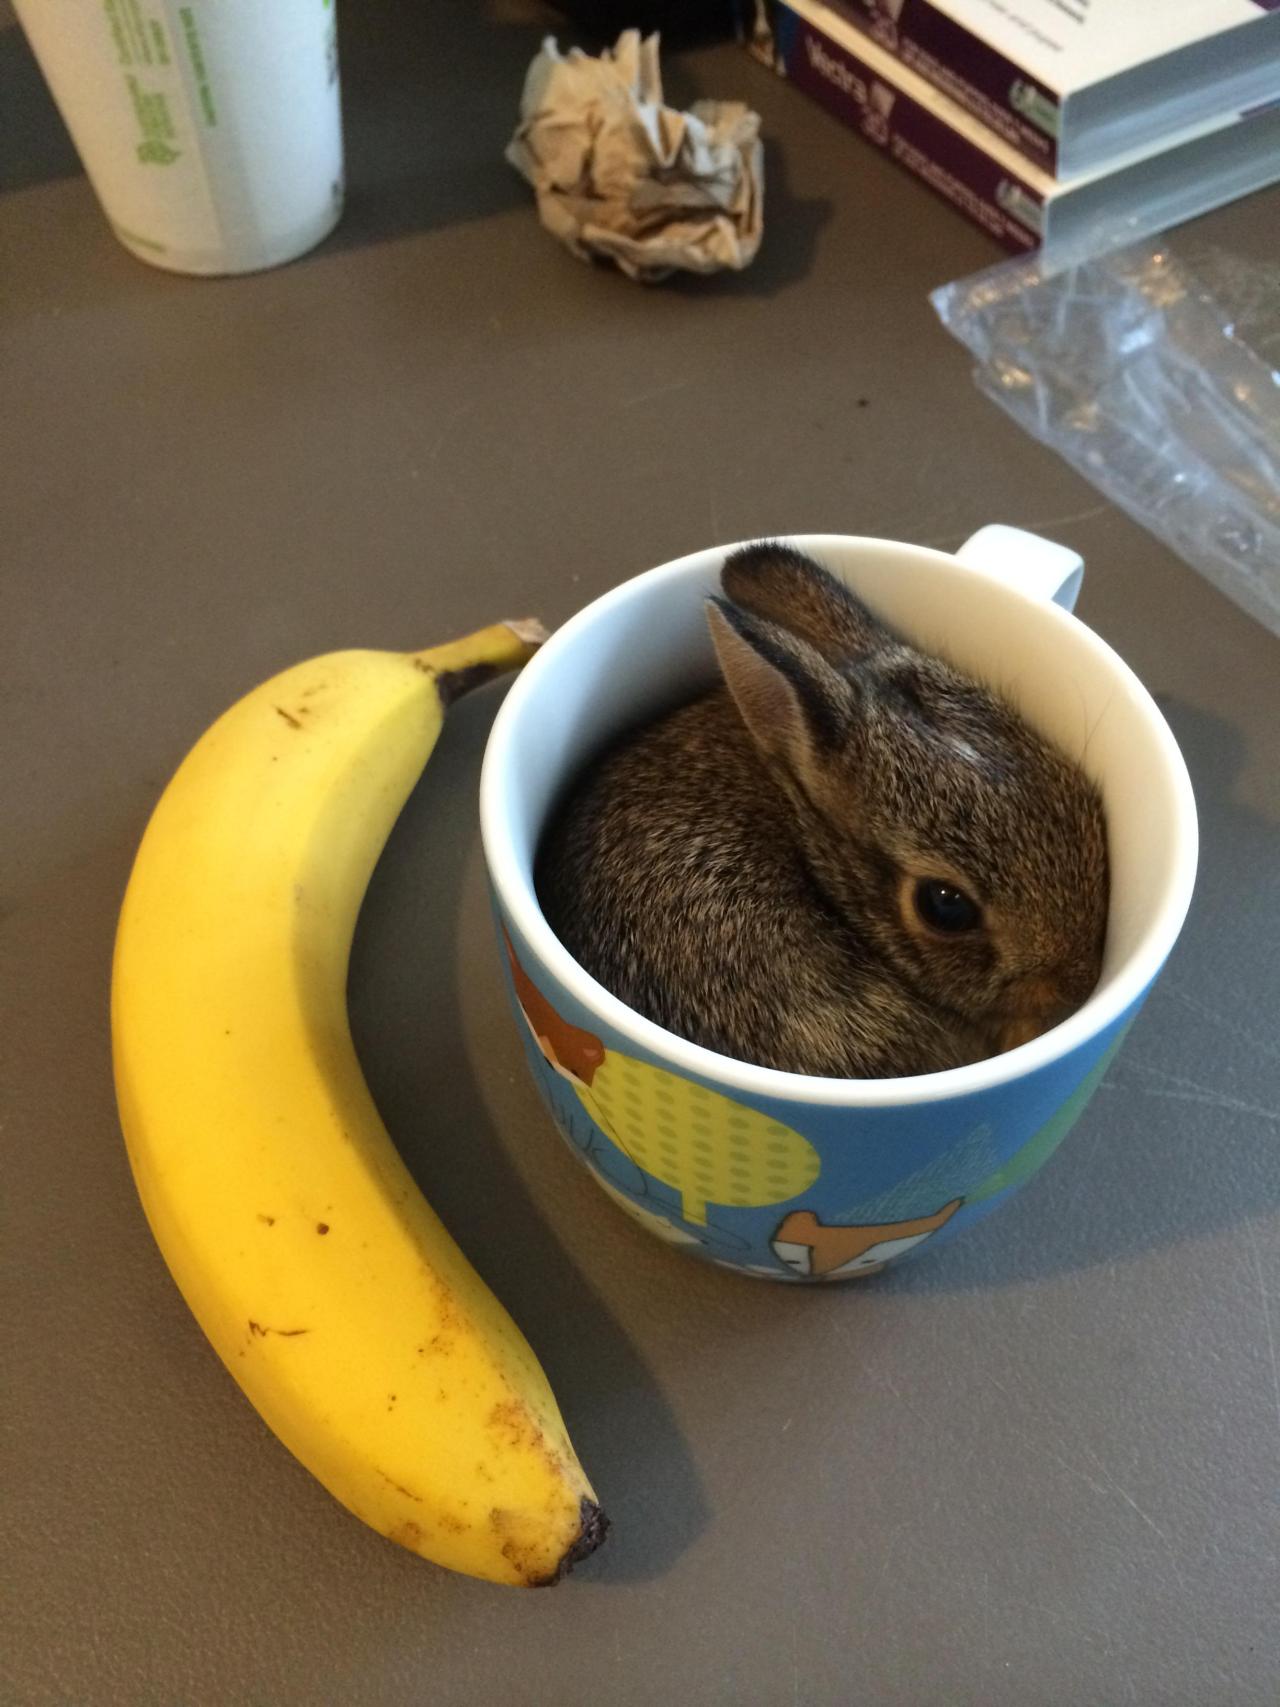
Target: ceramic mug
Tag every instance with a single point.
(776, 1173)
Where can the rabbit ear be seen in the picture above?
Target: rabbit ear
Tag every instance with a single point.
(793, 703)
(786, 587)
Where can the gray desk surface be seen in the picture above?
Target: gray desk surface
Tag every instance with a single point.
(1042, 1467)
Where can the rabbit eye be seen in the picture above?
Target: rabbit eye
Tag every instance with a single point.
(943, 907)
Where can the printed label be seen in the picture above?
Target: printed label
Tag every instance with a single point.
(1015, 200)
(199, 72)
(156, 123)
(912, 135)
(1026, 99)
(984, 81)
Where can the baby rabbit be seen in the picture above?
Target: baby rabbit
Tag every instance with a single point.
(848, 860)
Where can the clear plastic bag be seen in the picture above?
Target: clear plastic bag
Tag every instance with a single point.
(1152, 376)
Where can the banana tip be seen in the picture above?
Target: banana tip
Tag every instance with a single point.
(528, 630)
(469, 663)
(594, 1528)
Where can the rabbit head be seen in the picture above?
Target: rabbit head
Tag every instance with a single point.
(962, 848)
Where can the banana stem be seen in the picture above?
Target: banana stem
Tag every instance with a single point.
(460, 665)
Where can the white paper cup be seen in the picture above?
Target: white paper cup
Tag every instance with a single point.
(210, 130)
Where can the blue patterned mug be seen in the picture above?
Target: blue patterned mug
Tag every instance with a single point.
(776, 1173)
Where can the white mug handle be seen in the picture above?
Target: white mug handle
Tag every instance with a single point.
(1026, 561)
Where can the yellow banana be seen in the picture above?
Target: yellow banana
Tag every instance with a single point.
(325, 1282)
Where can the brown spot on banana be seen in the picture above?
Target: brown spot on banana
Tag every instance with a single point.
(400, 1487)
(592, 1528)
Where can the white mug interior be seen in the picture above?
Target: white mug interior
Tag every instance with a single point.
(645, 647)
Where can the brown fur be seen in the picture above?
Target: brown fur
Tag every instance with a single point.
(741, 870)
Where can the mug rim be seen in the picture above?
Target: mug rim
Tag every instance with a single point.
(513, 884)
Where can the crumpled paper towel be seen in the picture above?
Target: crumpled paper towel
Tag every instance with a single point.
(619, 175)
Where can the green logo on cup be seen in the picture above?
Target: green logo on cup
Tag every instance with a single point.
(154, 152)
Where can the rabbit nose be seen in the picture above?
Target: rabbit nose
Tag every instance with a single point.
(1020, 1031)
(1039, 1006)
